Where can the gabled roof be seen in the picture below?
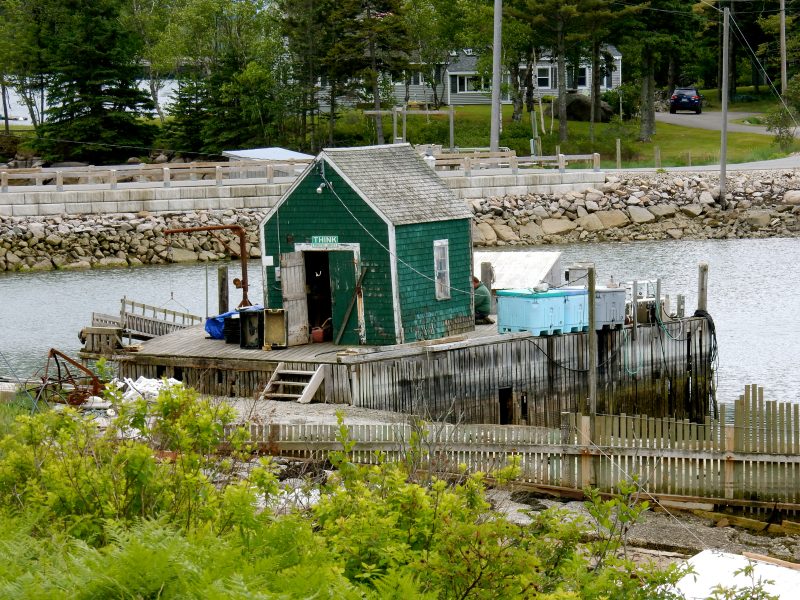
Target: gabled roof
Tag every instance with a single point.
(397, 182)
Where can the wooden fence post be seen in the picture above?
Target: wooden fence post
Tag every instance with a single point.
(512, 161)
(592, 341)
(270, 173)
(467, 166)
(619, 153)
(4, 181)
(562, 163)
(60, 181)
(657, 156)
(165, 177)
(596, 161)
(587, 460)
(112, 179)
(218, 174)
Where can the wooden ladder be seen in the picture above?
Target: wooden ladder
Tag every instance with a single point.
(293, 384)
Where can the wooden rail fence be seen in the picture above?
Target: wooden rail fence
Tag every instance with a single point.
(753, 457)
(158, 175)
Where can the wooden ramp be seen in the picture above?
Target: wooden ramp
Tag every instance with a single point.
(143, 321)
(293, 384)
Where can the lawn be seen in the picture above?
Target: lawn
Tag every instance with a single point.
(678, 146)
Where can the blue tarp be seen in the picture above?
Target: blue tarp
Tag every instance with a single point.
(214, 325)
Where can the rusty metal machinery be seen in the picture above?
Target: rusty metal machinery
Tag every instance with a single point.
(67, 381)
(238, 230)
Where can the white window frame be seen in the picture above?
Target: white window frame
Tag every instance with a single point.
(463, 78)
(441, 268)
(543, 77)
(582, 72)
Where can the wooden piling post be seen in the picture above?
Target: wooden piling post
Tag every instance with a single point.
(681, 308)
(596, 162)
(222, 288)
(394, 125)
(657, 156)
(4, 182)
(218, 175)
(165, 178)
(702, 287)
(619, 154)
(592, 344)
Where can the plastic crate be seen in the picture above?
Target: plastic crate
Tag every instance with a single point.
(609, 308)
(525, 310)
(576, 310)
(251, 331)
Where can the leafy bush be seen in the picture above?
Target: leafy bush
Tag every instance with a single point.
(782, 123)
(161, 505)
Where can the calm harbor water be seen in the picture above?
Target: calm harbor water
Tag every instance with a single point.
(754, 297)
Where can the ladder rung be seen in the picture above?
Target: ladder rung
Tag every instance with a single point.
(273, 396)
(279, 382)
(293, 372)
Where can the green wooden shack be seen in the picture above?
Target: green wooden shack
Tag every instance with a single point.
(369, 246)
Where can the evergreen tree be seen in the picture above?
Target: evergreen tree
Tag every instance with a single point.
(94, 103)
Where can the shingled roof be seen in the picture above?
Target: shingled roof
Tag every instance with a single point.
(396, 180)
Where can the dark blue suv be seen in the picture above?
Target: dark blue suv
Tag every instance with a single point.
(686, 99)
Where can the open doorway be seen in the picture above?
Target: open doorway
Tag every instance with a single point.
(506, 397)
(318, 286)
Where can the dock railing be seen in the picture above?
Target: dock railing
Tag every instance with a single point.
(751, 460)
(144, 321)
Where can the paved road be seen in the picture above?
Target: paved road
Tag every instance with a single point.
(712, 120)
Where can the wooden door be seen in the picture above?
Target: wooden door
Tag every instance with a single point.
(343, 289)
(293, 285)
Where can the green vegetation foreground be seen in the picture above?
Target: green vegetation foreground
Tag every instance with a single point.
(150, 508)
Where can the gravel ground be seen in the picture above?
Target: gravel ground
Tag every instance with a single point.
(674, 534)
(321, 414)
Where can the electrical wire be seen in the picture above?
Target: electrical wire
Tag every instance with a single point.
(382, 245)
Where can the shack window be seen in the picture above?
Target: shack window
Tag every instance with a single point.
(441, 266)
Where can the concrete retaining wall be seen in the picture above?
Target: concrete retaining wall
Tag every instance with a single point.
(187, 196)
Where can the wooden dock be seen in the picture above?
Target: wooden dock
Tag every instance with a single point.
(665, 370)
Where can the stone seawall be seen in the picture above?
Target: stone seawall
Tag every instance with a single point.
(632, 206)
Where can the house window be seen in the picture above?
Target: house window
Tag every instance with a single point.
(609, 83)
(582, 77)
(416, 78)
(441, 267)
(465, 83)
(543, 77)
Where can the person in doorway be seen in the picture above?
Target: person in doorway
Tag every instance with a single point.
(483, 303)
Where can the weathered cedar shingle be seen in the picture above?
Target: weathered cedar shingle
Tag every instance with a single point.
(396, 180)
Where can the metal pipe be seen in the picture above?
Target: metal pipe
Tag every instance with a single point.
(238, 230)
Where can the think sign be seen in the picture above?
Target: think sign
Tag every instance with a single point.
(324, 239)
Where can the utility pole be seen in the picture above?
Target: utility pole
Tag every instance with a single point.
(723, 150)
(784, 82)
(494, 132)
